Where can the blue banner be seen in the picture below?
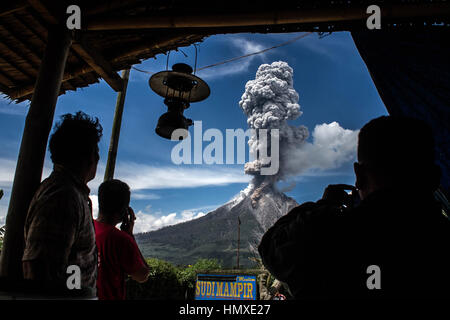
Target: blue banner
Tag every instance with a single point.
(225, 287)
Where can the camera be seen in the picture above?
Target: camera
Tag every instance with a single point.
(343, 195)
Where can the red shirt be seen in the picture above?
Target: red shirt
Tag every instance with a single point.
(118, 255)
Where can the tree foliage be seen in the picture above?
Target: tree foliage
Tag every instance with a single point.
(167, 282)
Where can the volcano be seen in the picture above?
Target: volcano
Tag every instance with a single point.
(269, 102)
(215, 235)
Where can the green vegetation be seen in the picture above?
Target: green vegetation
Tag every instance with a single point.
(167, 282)
(213, 236)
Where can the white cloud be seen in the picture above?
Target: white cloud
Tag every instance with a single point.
(144, 196)
(141, 176)
(332, 146)
(94, 200)
(12, 108)
(244, 47)
(7, 169)
(146, 222)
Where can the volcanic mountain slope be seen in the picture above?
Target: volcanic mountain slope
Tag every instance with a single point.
(215, 234)
(269, 102)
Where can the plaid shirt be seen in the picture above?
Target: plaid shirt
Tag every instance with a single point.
(59, 230)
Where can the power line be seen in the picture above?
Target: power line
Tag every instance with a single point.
(244, 56)
(257, 52)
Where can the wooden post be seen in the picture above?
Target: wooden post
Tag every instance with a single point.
(115, 133)
(238, 241)
(30, 161)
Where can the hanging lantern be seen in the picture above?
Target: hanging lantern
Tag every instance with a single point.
(179, 88)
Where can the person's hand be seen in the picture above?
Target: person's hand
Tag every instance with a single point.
(128, 225)
(335, 193)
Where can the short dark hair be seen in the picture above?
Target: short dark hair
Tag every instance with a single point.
(113, 195)
(399, 147)
(74, 139)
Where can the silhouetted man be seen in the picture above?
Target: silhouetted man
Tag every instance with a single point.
(118, 253)
(59, 228)
(393, 244)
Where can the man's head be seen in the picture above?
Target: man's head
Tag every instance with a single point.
(396, 152)
(74, 144)
(113, 200)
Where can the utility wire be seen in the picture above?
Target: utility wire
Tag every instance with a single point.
(257, 52)
(244, 56)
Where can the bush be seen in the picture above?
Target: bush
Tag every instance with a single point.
(162, 283)
(187, 276)
(167, 282)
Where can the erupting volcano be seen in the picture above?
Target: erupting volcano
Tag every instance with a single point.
(269, 101)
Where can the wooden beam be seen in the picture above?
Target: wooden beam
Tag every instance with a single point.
(41, 33)
(40, 30)
(84, 51)
(4, 88)
(70, 74)
(22, 42)
(12, 7)
(30, 161)
(99, 64)
(267, 17)
(6, 80)
(43, 11)
(15, 66)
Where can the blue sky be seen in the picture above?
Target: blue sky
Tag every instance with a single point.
(329, 76)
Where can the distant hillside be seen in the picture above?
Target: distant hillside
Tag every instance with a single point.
(215, 234)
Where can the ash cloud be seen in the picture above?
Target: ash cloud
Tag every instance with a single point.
(269, 102)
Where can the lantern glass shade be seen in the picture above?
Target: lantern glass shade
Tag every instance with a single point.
(179, 85)
(171, 121)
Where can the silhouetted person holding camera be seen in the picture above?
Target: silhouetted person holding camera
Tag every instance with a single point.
(59, 228)
(118, 253)
(391, 244)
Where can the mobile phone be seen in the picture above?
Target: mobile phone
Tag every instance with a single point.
(125, 220)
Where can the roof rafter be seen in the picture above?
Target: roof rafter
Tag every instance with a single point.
(92, 57)
(33, 51)
(41, 34)
(99, 64)
(70, 74)
(13, 7)
(14, 65)
(6, 80)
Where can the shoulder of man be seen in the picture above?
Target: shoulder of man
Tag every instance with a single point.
(122, 237)
(56, 204)
(314, 212)
(55, 188)
(57, 197)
